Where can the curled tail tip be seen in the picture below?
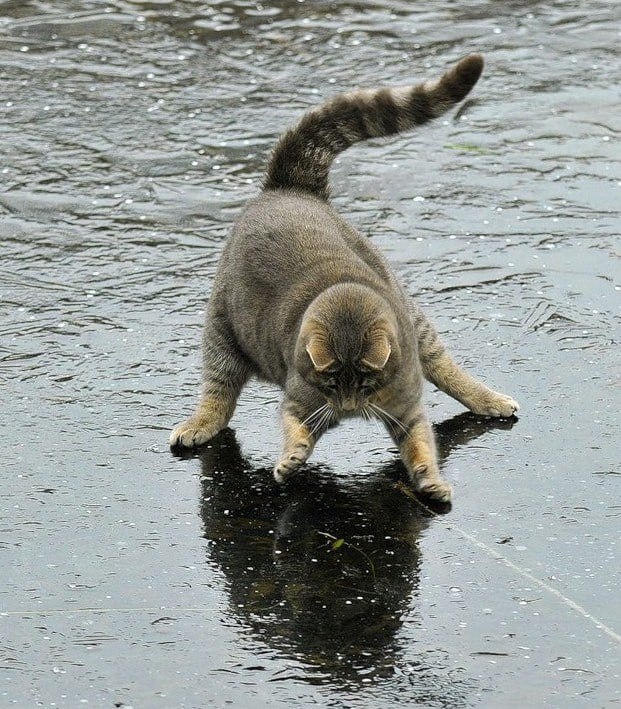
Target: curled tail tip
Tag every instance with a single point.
(459, 80)
(471, 65)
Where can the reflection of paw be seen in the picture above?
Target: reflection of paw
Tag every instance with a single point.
(495, 404)
(190, 434)
(434, 489)
(288, 465)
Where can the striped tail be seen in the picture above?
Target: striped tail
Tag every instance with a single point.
(302, 158)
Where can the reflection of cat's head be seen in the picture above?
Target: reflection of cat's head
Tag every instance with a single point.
(347, 347)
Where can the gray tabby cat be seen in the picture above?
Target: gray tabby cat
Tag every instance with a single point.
(301, 299)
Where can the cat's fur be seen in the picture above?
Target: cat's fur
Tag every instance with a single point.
(301, 299)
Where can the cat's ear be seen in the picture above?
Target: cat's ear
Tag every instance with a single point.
(320, 354)
(377, 353)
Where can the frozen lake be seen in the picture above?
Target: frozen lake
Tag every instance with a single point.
(132, 134)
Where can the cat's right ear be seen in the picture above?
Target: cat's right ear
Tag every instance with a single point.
(319, 353)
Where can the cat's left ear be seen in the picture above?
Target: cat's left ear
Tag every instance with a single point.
(377, 353)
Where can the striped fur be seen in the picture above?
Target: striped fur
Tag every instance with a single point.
(302, 158)
(301, 299)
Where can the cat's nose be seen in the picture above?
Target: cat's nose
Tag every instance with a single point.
(348, 404)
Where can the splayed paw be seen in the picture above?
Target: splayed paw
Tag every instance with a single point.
(495, 404)
(435, 489)
(427, 482)
(191, 434)
(289, 464)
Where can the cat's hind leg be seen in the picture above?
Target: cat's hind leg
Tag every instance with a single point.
(441, 370)
(225, 372)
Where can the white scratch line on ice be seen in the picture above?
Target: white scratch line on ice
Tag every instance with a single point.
(542, 584)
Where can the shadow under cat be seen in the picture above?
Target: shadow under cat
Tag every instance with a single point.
(324, 570)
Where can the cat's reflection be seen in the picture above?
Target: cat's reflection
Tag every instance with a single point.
(324, 569)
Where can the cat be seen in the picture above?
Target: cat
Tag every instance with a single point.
(301, 299)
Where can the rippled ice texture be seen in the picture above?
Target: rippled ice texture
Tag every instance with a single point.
(132, 133)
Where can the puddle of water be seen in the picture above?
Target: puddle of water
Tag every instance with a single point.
(132, 135)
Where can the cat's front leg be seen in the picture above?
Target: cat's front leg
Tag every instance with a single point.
(414, 436)
(302, 426)
(297, 447)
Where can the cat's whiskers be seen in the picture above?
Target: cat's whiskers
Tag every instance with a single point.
(326, 414)
(367, 414)
(315, 414)
(388, 419)
(379, 415)
(320, 426)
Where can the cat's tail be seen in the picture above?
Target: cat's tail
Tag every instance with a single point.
(303, 156)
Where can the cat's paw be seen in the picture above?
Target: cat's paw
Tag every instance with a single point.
(434, 489)
(427, 482)
(292, 458)
(495, 404)
(288, 465)
(190, 434)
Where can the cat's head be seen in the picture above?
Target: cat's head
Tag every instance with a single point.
(347, 347)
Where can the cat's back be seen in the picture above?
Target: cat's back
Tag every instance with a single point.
(282, 234)
(284, 220)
